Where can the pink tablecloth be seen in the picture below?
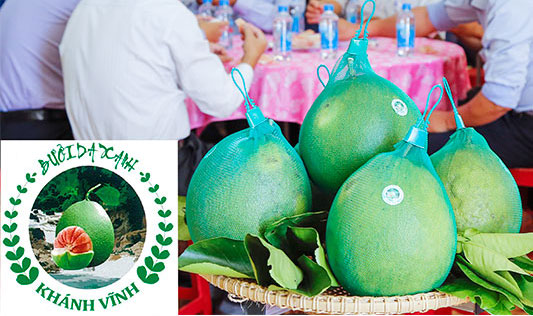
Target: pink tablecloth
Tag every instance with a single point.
(286, 90)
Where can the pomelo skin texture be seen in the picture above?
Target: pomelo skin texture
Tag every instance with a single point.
(483, 193)
(95, 222)
(351, 121)
(73, 249)
(379, 249)
(245, 183)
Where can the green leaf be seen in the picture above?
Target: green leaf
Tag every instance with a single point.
(25, 280)
(145, 277)
(15, 201)
(160, 200)
(158, 267)
(164, 214)
(9, 228)
(508, 245)
(17, 268)
(465, 288)
(15, 255)
(183, 230)
(217, 256)
(149, 262)
(145, 177)
(470, 232)
(504, 307)
(307, 240)
(109, 195)
(154, 188)
(524, 262)
(21, 189)
(528, 310)
(160, 255)
(316, 279)
(525, 282)
(165, 228)
(276, 232)
(163, 241)
(468, 271)
(11, 242)
(30, 179)
(486, 259)
(279, 266)
(11, 215)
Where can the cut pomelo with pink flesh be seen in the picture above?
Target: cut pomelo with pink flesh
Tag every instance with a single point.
(73, 249)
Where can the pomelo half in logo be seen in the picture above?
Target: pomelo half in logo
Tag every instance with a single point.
(73, 249)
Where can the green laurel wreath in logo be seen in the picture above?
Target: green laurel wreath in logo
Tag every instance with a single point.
(27, 274)
(148, 273)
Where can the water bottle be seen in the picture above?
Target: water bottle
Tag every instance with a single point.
(353, 11)
(329, 32)
(225, 13)
(297, 10)
(205, 11)
(282, 34)
(405, 31)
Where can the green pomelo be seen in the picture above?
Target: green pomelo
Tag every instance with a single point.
(483, 193)
(94, 220)
(350, 122)
(243, 184)
(73, 249)
(71, 261)
(377, 248)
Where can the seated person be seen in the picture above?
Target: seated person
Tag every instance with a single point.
(503, 110)
(32, 104)
(129, 65)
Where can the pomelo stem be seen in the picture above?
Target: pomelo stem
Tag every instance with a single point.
(91, 190)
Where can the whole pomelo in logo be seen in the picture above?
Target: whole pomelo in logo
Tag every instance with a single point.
(93, 219)
(357, 116)
(73, 249)
(391, 228)
(247, 181)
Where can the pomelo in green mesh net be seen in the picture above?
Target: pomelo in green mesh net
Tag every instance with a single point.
(248, 180)
(357, 116)
(483, 193)
(391, 229)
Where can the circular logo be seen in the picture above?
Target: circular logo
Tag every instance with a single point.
(399, 107)
(392, 195)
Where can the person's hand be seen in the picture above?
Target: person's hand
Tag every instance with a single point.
(216, 2)
(441, 121)
(220, 52)
(254, 45)
(313, 11)
(213, 29)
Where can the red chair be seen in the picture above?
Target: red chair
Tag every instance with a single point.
(198, 295)
(523, 177)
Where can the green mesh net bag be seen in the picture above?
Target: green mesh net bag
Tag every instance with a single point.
(483, 193)
(357, 116)
(248, 180)
(391, 228)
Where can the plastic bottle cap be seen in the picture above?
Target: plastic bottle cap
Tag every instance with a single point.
(283, 8)
(406, 7)
(328, 7)
(224, 2)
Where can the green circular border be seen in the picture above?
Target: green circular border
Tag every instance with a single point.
(147, 273)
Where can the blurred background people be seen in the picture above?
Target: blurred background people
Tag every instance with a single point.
(32, 102)
(129, 65)
(502, 111)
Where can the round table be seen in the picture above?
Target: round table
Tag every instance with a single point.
(285, 90)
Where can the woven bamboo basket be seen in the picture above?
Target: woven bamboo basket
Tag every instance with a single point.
(334, 301)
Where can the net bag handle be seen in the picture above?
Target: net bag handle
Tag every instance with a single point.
(365, 33)
(458, 119)
(423, 122)
(254, 116)
(318, 74)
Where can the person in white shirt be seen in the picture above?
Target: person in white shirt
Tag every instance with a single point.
(129, 65)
